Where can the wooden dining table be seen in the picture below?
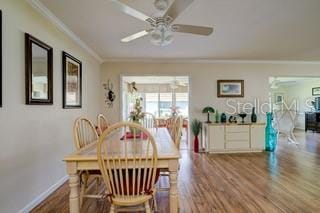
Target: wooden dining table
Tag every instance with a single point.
(86, 159)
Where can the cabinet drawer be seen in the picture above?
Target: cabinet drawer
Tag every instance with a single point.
(244, 128)
(237, 136)
(237, 145)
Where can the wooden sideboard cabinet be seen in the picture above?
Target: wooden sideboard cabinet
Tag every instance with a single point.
(223, 138)
(312, 121)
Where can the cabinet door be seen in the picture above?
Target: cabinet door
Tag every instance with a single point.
(217, 138)
(257, 137)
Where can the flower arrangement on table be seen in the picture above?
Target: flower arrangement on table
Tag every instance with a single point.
(136, 115)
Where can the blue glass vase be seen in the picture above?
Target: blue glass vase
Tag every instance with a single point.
(271, 134)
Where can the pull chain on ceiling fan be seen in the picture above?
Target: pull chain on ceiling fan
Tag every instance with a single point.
(162, 27)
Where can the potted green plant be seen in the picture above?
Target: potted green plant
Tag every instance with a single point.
(208, 110)
(196, 127)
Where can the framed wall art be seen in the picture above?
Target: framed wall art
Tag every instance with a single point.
(0, 58)
(316, 91)
(39, 68)
(279, 98)
(230, 88)
(72, 81)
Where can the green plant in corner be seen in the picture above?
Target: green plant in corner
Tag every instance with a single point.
(196, 126)
(208, 110)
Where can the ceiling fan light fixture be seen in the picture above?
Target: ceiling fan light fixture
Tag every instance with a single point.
(161, 4)
(162, 35)
(161, 23)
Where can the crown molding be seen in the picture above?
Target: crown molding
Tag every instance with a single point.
(43, 10)
(207, 61)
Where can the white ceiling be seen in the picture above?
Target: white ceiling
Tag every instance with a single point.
(244, 29)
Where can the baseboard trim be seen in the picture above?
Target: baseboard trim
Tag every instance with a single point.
(43, 196)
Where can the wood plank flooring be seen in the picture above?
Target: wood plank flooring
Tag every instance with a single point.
(285, 181)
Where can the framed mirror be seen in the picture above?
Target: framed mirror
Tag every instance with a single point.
(0, 58)
(72, 81)
(39, 88)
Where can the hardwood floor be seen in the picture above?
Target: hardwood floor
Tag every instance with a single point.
(285, 181)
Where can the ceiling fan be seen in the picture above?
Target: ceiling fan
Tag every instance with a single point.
(162, 27)
(176, 84)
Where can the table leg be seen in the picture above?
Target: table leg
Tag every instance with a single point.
(74, 198)
(173, 176)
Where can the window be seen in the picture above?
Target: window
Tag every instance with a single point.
(160, 104)
(165, 104)
(182, 100)
(160, 94)
(151, 103)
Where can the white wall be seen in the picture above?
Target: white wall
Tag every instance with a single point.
(34, 139)
(203, 80)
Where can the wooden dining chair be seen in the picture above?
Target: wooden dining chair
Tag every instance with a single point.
(85, 133)
(177, 131)
(176, 134)
(161, 122)
(185, 125)
(170, 125)
(102, 122)
(149, 121)
(128, 166)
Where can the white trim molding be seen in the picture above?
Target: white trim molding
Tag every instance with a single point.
(43, 195)
(204, 61)
(43, 10)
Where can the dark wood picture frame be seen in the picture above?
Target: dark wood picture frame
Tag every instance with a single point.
(29, 40)
(219, 87)
(0, 58)
(314, 93)
(65, 57)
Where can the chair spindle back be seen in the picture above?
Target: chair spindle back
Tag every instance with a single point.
(128, 162)
(84, 133)
(177, 131)
(149, 121)
(103, 123)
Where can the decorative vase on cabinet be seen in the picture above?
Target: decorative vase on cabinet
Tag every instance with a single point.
(271, 134)
(223, 118)
(217, 116)
(253, 116)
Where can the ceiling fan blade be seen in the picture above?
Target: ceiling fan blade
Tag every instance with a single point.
(182, 28)
(135, 36)
(177, 7)
(132, 12)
